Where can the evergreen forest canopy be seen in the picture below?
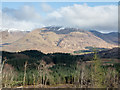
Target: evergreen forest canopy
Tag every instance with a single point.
(34, 68)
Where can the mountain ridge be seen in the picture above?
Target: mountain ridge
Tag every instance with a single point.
(112, 37)
(47, 40)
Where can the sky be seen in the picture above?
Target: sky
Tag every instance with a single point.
(27, 16)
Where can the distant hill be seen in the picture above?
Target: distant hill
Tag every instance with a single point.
(8, 37)
(112, 37)
(111, 54)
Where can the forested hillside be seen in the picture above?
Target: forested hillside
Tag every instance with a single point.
(36, 69)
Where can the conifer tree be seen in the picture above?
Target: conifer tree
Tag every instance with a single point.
(98, 75)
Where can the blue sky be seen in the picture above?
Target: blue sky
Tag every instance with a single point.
(55, 12)
(55, 5)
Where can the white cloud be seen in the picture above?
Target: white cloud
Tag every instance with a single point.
(20, 25)
(24, 18)
(46, 8)
(0, 17)
(24, 13)
(102, 18)
(86, 17)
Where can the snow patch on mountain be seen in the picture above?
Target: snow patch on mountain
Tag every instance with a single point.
(62, 28)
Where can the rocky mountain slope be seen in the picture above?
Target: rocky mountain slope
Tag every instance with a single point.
(57, 39)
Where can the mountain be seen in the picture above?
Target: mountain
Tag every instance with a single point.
(57, 39)
(108, 37)
(10, 36)
(62, 30)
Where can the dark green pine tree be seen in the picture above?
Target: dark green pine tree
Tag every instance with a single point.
(98, 74)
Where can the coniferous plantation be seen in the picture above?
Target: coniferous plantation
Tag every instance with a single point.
(34, 69)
